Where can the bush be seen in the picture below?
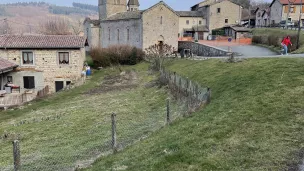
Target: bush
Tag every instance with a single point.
(274, 40)
(116, 55)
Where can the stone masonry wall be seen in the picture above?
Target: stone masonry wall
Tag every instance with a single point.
(160, 24)
(46, 62)
(201, 50)
(111, 28)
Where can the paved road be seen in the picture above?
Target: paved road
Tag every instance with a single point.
(250, 50)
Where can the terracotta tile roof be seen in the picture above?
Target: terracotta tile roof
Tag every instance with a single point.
(6, 65)
(294, 2)
(42, 41)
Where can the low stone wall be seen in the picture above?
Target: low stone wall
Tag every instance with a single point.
(201, 49)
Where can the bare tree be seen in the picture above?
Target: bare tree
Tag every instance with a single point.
(77, 27)
(157, 54)
(55, 26)
(5, 28)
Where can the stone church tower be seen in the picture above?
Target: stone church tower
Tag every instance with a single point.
(110, 7)
(133, 5)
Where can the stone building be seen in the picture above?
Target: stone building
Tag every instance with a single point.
(121, 22)
(55, 61)
(219, 13)
(192, 24)
(279, 11)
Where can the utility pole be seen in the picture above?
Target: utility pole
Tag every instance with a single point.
(299, 24)
(286, 23)
(249, 14)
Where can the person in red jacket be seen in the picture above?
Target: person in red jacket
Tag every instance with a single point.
(286, 41)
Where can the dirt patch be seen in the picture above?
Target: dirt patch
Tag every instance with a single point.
(125, 80)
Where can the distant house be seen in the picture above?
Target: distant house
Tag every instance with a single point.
(43, 60)
(279, 10)
(236, 32)
(219, 13)
(191, 24)
(248, 16)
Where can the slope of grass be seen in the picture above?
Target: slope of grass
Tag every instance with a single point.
(280, 33)
(254, 122)
(72, 127)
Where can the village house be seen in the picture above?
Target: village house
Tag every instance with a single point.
(219, 13)
(54, 61)
(192, 24)
(279, 11)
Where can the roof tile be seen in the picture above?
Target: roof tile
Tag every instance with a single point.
(42, 41)
(5, 64)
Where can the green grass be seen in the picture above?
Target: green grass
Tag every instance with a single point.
(281, 33)
(76, 127)
(254, 122)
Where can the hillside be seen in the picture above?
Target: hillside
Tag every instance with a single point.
(28, 18)
(254, 122)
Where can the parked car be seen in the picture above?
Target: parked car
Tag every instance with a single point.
(289, 24)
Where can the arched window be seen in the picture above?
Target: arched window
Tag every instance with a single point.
(128, 34)
(161, 20)
(109, 34)
(117, 34)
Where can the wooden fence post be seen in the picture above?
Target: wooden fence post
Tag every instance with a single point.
(114, 143)
(209, 96)
(16, 153)
(168, 112)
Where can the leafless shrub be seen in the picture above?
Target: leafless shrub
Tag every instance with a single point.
(116, 55)
(157, 54)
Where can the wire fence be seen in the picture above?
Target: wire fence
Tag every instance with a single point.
(109, 133)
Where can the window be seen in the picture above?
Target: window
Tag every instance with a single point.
(200, 22)
(9, 79)
(29, 82)
(161, 20)
(117, 34)
(289, 19)
(27, 58)
(63, 58)
(259, 14)
(109, 34)
(226, 20)
(218, 10)
(187, 22)
(128, 34)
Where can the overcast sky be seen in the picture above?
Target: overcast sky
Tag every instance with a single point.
(175, 4)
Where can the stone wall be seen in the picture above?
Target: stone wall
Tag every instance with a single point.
(201, 50)
(108, 8)
(160, 24)
(46, 64)
(92, 34)
(110, 35)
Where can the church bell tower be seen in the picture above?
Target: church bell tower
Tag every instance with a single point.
(133, 5)
(110, 7)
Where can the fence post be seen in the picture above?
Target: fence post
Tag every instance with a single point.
(114, 144)
(209, 96)
(16, 153)
(168, 112)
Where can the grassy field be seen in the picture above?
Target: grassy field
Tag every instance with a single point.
(254, 122)
(73, 127)
(280, 33)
